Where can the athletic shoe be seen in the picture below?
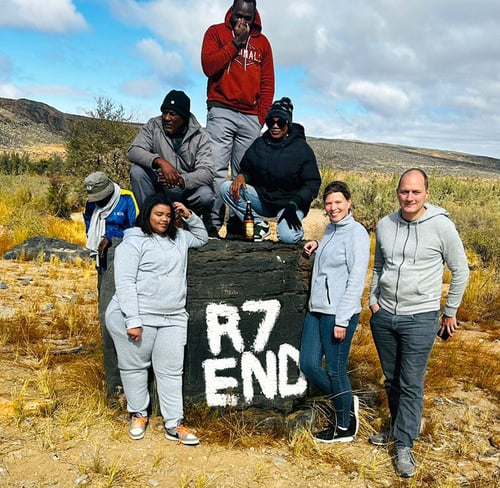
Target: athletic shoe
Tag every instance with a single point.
(213, 234)
(354, 416)
(182, 435)
(381, 439)
(333, 434)
(261, 231)
(137, 427)
(405, 462)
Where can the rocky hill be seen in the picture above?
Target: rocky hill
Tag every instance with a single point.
(26, 125)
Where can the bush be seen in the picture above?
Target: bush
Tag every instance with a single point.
(99, 142)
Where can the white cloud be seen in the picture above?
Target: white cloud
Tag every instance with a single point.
(166, 64)
(8, 90)
(379, 97)
(141, 88)
(58, 16)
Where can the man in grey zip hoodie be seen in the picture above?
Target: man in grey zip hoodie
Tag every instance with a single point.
(412, 246)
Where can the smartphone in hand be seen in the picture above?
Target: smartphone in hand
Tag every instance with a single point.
(445, 335)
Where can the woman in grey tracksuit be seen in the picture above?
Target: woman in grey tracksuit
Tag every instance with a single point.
(147, 317)
(338, 280)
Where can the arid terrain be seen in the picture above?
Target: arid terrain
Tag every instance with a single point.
(51, 437)
(56, 429)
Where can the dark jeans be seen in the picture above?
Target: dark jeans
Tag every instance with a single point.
(404, 343)
(106, 290)
(200, 200)
(318, 342)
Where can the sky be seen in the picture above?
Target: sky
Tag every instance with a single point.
(422, 73)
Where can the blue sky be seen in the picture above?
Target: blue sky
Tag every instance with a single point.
(414, 72)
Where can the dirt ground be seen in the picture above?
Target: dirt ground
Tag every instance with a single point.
(76, 442)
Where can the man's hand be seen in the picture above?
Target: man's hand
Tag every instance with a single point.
(168, 176)
(241, 31)
(290, 215)
(103, 247)
(448, 324)
(235, 188)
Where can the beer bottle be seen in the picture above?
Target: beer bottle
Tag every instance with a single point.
(248, 223)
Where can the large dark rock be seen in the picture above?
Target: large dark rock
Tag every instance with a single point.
(45, 248)
(246, 302)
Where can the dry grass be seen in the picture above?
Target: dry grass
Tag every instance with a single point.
(52, 401)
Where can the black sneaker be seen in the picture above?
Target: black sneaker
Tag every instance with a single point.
(333, 434)
(213, 234)
(354, 416)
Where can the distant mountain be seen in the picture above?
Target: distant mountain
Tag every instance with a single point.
(25, 124)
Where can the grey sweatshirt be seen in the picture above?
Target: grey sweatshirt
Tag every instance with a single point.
(150, 273)
(339, 271)
(409, 259)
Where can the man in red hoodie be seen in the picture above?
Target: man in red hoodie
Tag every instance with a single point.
(238, 61)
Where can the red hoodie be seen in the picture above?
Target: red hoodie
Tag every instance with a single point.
(244, 80)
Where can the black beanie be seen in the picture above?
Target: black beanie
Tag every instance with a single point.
(177, 101)
(282, 108)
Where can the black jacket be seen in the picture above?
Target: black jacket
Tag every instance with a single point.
(283, 171)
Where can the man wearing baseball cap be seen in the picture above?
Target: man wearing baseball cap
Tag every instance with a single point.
(172, 153)
(108, 212)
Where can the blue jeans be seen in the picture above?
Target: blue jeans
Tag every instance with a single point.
(404, 343)
(260, 209)
(318, 341)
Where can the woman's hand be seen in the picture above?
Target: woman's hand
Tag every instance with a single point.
(310, 247)
(339, 332)
(181, 210)
(135, 333)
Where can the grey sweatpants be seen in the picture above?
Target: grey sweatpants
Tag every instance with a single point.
(231, 133)
(161, 346)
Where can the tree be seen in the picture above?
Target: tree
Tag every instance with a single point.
(99, 142)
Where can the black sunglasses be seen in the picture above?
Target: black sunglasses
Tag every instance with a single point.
(280, 123)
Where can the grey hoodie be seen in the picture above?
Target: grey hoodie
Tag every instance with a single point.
(409, 258)
(150, 273)
(339, 271)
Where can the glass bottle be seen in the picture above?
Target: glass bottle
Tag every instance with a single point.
(249, 223)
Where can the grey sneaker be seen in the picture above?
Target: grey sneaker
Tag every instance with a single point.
(182, 435)
(405, 462)
(137, 427)
(381, 439)
(262, 230)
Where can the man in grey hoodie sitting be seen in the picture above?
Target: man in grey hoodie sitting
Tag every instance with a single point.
(412, 246)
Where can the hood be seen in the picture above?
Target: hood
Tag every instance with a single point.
(256, 27)
(431, 212)
(192, 128)
(133, 232)
(297, 132)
